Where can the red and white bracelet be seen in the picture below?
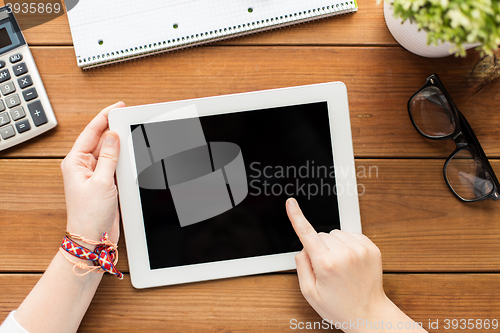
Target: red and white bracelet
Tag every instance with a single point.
(104, 257)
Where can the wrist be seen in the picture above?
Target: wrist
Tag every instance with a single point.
(85, 236)
(378, 317)
(70, 266)
(92, 229)
(385, 317)
(92, 235)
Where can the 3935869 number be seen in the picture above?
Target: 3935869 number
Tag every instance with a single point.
(34, 8)
(470, 324)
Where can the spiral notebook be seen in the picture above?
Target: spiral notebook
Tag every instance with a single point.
(117, 30)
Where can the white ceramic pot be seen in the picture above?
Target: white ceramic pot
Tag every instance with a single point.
(415, 41)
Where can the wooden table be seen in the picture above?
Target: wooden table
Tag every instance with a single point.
(441, 257)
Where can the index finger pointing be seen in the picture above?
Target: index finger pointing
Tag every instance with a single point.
(313, 244)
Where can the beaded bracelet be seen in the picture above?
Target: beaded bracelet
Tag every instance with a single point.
(104, 257)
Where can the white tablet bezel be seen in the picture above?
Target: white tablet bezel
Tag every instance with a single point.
(334, 93)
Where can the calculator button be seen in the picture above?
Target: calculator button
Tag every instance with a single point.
(16, 58)
(20, 69)
(23, 126)
(2, 106)
(12, 100)
(17, 113)
(37, 113)
(4, 119)
(7, 132)
(7, 88)
(25, 81)
(2, 64)
(4, 75)
(30, 94)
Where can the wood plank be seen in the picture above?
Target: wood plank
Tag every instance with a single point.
(366, 27)
(401, 209)
(419, 226)
(265, 303)
(378, 90)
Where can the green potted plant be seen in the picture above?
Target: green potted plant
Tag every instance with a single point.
(438, 28)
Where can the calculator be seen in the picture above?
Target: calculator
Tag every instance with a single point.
(25, 110)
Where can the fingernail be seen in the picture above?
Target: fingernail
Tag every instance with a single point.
(110, 139)
(292, 202)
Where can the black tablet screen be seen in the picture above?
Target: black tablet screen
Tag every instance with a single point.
(214, 188)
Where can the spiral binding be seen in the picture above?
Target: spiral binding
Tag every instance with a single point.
(217, 35)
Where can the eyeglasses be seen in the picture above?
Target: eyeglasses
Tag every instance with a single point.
(467, 171)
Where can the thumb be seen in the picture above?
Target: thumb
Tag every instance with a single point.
(108, 157)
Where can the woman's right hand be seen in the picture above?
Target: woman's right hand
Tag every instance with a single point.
(340, 275)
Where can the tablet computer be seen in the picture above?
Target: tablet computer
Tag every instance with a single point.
(203, 182)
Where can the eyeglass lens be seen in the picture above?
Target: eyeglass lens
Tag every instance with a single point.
(432, 113)
(467, 176)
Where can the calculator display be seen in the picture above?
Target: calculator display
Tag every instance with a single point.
(10, 35)
(4, 38)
